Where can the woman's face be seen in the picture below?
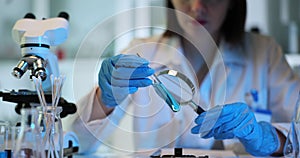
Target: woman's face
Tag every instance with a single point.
(209, 13)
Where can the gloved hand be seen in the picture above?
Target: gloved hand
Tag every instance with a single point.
(122, 75)
(237, 120)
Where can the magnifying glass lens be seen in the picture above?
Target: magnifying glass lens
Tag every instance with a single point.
(181, 91)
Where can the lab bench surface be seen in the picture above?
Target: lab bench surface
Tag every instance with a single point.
(190, 152)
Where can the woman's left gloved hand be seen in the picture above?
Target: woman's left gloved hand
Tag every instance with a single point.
(237, 120)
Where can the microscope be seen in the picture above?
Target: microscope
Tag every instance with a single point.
(35, 38)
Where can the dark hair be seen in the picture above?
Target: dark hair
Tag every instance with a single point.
(232, 29)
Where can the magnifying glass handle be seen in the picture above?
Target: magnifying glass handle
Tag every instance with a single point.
(196, 108)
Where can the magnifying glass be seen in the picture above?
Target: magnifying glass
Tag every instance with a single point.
(180, 88)
(163, 92)
(176, 89)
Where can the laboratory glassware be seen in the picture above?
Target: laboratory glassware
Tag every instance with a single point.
(183, 90)
(291, 147)
(4, 129)
(177, 90)
(181, 87)
(164, 93)
(52, 131)
(29, 144)
(13, 135)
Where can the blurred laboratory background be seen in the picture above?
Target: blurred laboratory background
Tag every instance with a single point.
(277, 18)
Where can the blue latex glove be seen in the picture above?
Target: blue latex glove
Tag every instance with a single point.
(122, 75)
(237, 120)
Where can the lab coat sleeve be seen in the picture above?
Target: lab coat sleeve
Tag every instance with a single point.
(93, 132)
(284, 85)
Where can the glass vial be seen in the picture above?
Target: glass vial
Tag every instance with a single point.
(52, 131)
(28, 144)
(4, 129)
(291, 147)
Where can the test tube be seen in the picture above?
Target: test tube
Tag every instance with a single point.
(162, 91)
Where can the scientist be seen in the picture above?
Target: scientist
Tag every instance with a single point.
(251, 61)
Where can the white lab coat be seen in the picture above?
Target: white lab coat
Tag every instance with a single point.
(258, 64)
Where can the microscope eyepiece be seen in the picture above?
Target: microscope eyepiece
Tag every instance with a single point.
(29, 16)
(63, 15)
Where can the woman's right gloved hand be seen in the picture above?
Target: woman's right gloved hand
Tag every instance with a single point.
(122, 75)
(237, 120)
